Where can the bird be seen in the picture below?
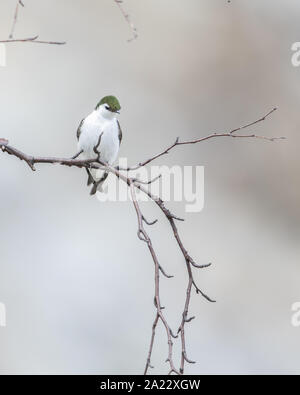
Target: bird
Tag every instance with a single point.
(99, 136)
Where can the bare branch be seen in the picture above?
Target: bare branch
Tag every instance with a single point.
(33, 40)
(148, 364)
(32, 160)
(147, 182)
(127, 18)
(19, 3)
(159, 315)
(255, 122)
(232, 133)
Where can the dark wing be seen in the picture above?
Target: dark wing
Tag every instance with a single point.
(120, 133)
(79, 129)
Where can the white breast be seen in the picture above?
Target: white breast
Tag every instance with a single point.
(91, 129)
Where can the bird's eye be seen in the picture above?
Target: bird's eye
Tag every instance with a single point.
(107, 107)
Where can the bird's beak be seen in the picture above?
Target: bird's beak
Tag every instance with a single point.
(117, 112)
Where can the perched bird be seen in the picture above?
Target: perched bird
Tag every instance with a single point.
(100, 134)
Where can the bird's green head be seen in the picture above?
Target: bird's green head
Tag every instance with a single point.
(110, 103)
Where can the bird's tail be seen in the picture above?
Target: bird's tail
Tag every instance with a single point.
(97, 185)
(90, 178)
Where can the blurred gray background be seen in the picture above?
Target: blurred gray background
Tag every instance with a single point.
(77, 283)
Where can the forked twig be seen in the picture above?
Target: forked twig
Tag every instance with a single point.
(33, 39)
(232, 133)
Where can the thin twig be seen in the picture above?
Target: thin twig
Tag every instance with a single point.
(232, 133)
(33, 40)
(148, 363)
(127, 18)
(19, 3)
(149, 222)
(147, 182)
